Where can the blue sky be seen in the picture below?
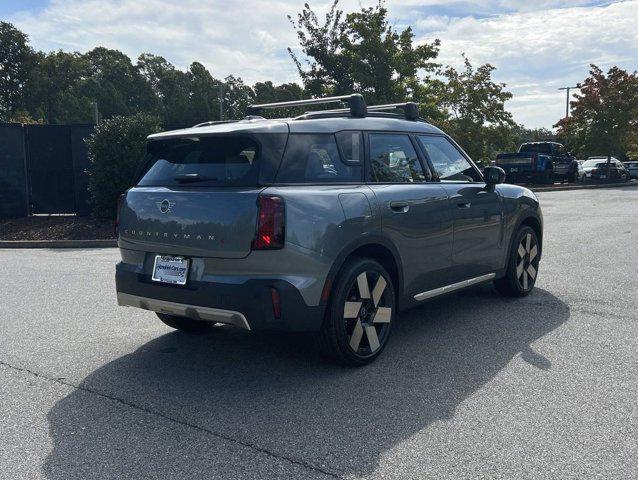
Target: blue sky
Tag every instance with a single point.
(537, 46)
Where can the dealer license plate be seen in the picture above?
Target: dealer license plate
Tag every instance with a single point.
(169, 269)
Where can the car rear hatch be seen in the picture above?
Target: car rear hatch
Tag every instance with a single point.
(562, 165)
(198, 196)
(516, 162)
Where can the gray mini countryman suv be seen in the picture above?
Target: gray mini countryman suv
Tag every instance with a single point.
(332, 221)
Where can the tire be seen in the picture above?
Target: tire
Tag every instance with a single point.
(522, 266)
(360, 314)
(573, 177)
(185, 324)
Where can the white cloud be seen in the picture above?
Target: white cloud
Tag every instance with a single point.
(536, 46)
(537, 52)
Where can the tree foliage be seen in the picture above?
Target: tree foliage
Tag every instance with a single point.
(16, 60)
(61, 87)
(604, 119)
(115, 150)
(475, 105)
(359, 52)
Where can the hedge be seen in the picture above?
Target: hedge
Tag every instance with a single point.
(115, 151)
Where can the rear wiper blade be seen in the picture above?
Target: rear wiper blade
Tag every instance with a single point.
(193, 177)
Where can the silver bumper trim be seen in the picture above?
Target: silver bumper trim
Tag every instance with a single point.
(455, 286)
(191, 311)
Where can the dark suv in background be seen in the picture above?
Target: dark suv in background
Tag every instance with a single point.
(332, 221)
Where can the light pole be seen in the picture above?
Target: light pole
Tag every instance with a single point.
(567, 102)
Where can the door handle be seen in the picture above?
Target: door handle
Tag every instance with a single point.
(399, 206)
(464, 204)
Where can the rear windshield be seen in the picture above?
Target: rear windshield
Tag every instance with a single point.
(214, 160)
(544, 148)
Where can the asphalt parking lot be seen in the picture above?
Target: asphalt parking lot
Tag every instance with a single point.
(472, 385)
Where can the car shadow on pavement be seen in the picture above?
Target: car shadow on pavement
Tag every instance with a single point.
(274, 392)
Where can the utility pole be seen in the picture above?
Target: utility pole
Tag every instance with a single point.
(96, 114)
(567, 102)
(221, 101)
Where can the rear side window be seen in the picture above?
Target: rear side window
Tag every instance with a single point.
(213, 160)
(314, 158)
(393, 159)
(542, 148)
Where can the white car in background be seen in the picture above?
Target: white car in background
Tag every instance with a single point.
(632, 168)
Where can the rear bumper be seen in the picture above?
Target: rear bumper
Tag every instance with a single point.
(205, 314)
(248, 305)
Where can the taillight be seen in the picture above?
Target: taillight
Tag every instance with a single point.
(116, 225)
(271, 221)
(534, 158)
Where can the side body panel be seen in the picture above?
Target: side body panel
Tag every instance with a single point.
(416, 219)
(478, 229)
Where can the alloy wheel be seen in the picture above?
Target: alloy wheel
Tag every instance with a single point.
(367, 313)
(527, 262)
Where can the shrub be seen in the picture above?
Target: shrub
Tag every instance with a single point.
(115, 150)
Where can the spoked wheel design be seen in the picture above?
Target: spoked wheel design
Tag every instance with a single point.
(527, 262)
(367, 313)
(359, 319)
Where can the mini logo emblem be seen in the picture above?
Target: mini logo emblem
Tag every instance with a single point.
(165, 206)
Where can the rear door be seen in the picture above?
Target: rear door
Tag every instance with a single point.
(477, 211)
(415, 213)
(197, 196)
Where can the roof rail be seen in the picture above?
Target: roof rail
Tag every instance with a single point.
(213, 122)
(410, 109)
(355, 101)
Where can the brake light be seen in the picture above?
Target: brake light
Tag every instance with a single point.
(271, 220)
(116, 225)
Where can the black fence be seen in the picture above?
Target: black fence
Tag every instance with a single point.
(43, 169)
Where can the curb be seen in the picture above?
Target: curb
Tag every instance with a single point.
(559, 188)
(108, 243)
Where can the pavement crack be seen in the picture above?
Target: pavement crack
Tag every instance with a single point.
(185, 423)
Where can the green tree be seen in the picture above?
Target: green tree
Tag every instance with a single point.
(237, 97)
(359, 52)
(170, 86)
(204, 94)
(604, 119)
(115, 83)
(16, 60)
(115, 150)
(475, 105)
(50, 96)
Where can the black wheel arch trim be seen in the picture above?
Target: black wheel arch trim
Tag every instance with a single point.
(527, 214)
(364, 241)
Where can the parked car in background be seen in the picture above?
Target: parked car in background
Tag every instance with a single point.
(598, 169)
(524, 167)
(539, 162)
(632, 168)
(580, 177)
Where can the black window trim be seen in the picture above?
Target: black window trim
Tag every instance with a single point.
(435, 174)
(342, 156)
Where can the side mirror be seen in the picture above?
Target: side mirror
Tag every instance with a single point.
(493, 175)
